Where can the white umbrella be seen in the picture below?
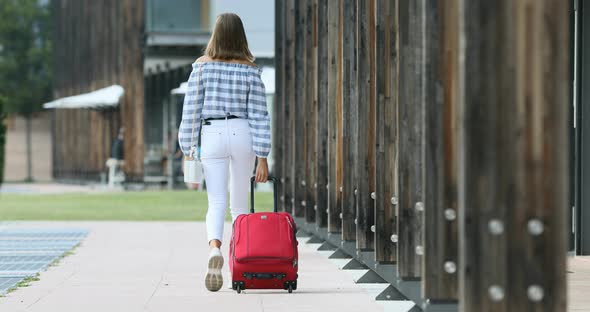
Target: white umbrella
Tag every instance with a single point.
(102, 98)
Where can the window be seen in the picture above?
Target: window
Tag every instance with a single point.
(176, 16)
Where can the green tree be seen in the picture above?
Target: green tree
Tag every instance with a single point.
(25, 59)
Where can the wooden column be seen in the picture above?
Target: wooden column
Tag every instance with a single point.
(132, 110)
(440, 152)
(299, 148)
(365, 161)
(349, 118)
(288, 110)
(386, 131)
(322, 103)
(310, 111)
(340, 116)
(514, 182)
(411, 116)
(278, 142)
(334, 104)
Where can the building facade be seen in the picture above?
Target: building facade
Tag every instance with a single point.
(103, 43)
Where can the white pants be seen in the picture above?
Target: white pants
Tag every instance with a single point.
(226, 144)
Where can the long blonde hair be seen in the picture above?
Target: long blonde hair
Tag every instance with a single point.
(228, 41)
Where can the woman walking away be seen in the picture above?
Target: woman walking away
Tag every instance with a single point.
(229, 97)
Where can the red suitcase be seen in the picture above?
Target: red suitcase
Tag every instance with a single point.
(263, 249)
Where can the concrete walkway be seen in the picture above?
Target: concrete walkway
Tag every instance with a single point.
(155, 266)
(579, 284)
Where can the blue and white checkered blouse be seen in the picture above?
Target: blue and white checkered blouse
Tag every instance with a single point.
(225, 89)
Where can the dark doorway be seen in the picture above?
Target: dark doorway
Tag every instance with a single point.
(580, 131)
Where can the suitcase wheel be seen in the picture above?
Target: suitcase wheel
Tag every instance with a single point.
(290, 286)
(238, 286)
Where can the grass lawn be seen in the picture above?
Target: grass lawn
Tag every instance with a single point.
(124, 206)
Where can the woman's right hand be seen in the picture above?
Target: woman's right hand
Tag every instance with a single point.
(262, 170)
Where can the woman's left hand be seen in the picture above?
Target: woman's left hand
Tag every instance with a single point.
(262, 170)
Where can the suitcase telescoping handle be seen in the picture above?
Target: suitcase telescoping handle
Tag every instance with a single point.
(275, 186)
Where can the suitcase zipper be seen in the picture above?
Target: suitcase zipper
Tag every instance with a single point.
(295, 254)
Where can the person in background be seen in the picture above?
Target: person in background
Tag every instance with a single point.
(117, 150)
(116, 162)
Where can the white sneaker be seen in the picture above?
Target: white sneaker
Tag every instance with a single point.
(214, 278)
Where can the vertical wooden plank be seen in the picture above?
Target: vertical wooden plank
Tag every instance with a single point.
(322, 113)
(111, 74)
(310, 111)
(76, 59)
(132, 16)
(340, 116)
(64, 34)
(514, 187)
(299, 155)
(278, 105)
(137, 73)
(440, 152)
(371, 149)
(334, 115)
(386, 131)
(75, 141)
(57, 37)
(349, 118)
(288, 111)
(365, 126)
(411, 109)
(91, 57)
(481, 168)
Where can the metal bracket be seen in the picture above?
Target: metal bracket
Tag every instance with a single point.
(370, 278)
(314, 240)
(390, 293)
(327, 247)
(354, 264)
(339, 254)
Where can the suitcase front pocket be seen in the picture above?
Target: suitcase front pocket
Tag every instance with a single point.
(265, 236)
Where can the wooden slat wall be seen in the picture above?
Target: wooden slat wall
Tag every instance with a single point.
(340, 115)
(411, 122)
(132, 110)
(349, 118)
(93, 52)
(278, 105)
(365, 133)
(514, 191)
(288, 108)
(299, 106)
(468, 168)
(440, 152)
(334, 116)
(386, 131)
(321, 122)
(310, 104)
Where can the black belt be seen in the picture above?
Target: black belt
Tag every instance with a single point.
(222, 118)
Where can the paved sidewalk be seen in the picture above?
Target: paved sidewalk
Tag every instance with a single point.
(160, 266)
(579, 284)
